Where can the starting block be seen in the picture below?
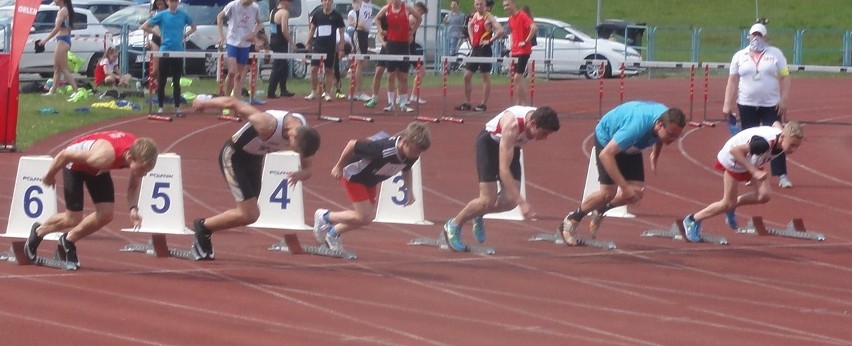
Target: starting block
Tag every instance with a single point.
(676, 232)
(17, 255)
(556, 238)
(441, 243)
(291, 244)
(795, 229)
(157, 246)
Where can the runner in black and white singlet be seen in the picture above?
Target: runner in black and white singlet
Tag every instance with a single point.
(362, 166)
(743, 158)
(241, 162)
(498, 160)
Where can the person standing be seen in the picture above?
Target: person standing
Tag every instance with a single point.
(241, 162)
(742, 159)
(154, 39)
(760, 80)
(172, 25)
(243, 25)
(454, 24)
(362, 166)
(523, 31)
(400, 35)
(87, 162)
(361, 20)
(281, 41)
(483, 29)
(620, 137)
(326, 25)
(62, 31)
(498, 148)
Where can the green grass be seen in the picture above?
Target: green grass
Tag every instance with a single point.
(33, 126)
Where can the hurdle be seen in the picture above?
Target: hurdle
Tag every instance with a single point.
(676, 232)
(291, 244)
(556, 238)
(162, 209)
(795, 229)
(416, 59)
(441, 243)
(17, 255)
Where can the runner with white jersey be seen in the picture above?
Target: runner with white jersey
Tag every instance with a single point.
(743, 158)
(241, 162)
(498, 148)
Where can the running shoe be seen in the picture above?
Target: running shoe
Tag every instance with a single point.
(481, 108)
(452, 234)
(731, 219)
(405, 108)
(202, 247)
(334, 243)
(321, 226)
(784, 182)
(692, 229)
(463, 107)
(371, 103)
(311, 96)
(31, 245)
(478, 225)
(595, 223)
(389, 108)
(568, 231)
(70, 251)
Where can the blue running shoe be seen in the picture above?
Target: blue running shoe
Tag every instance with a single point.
(731, 219)
(478, 229)
(452, 234)
(692, 228)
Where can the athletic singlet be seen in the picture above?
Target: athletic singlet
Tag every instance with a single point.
(247, 140)
(768, 133)
(494, 127)
(398, 29)
(120, 141)
(480, 32)
(277, 33)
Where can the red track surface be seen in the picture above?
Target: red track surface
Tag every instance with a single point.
(757, 290)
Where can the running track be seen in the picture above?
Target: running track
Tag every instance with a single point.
(648, 291)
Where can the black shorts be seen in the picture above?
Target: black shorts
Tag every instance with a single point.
(101, 188)
(329, 60)
(155, 39)
(521, 65)
(397, 48)
(243, 172)
(415, 49)
(488, 159)
(631, 166)
(382, 63)
(481, 51)
(362, 41)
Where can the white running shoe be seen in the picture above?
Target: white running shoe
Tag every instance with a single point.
(389, 108)
(321, 226)
(405, 108)
(311, 96)
(784, 182)
(334, 243)
(327, 97)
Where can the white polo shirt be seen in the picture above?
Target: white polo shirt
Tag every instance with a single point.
(759, 85)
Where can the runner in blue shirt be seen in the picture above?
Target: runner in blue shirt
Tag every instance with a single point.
(172, 23)
(620, 137)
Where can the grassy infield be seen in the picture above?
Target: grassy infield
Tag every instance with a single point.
(720, 21)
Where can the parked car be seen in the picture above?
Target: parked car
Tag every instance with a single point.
(132, 16)
(571, 46)
(206, 37)
(102, 8)
(87, 39)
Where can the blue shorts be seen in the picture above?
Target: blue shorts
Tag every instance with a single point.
(241, 54)
(64, 38)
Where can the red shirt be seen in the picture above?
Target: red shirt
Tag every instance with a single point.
(120, 141)
(520, 24)
(398, 26)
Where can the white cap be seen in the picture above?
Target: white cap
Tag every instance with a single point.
(758, 28)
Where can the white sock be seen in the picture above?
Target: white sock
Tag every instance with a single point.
(391, 97)
(403, 99)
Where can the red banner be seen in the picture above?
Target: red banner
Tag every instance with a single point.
(25, 13)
